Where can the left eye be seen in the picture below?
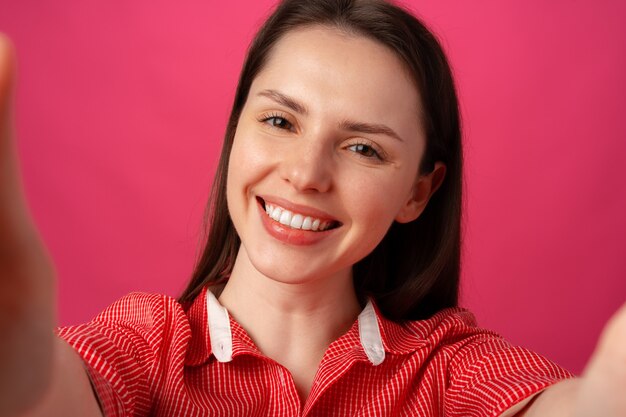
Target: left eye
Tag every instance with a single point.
(364, 150)
(278, 122)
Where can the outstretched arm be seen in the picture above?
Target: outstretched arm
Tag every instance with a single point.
(601, 390)
(39, 374)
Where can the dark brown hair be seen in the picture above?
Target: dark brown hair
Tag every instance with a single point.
(414, 271)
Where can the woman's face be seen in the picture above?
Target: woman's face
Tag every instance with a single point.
(329, 143)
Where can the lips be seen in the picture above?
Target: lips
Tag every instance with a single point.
(296, 220)
(295, 224)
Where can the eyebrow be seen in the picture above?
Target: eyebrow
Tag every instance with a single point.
(286, 101)
(371, 128)
(350, 125)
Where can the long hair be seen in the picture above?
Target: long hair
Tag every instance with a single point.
(414, 271)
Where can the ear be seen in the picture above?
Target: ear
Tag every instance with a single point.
(424, 188)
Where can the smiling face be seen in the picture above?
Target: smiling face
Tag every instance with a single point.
(325, 156)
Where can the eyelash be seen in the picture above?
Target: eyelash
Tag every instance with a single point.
(367, 147)
(265, 118)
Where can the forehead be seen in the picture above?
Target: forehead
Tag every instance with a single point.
(333, 70)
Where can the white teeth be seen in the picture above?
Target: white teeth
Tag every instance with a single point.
(285, 218)
(276, 214)
(295, 221)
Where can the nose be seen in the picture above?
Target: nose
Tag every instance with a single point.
(308, 166)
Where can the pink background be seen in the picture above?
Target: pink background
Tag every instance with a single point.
(121, 108)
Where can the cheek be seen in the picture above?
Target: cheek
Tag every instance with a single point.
(374, 202)
(374, 209)
(250, 159)
(387, 190)
(237, 183)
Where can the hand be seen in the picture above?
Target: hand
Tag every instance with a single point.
(27, 311)
(602, 388)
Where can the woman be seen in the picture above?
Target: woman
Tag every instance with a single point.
(330, 275)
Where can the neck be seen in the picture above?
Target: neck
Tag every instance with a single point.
(259, 302)
(291, 322)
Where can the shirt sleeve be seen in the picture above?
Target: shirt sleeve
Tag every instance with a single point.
(488, 376)
(126, 350)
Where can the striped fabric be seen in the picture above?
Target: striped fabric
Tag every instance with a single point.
(147, 355)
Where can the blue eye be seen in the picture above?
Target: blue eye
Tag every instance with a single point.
(365, 151)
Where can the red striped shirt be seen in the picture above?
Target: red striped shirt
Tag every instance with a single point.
(148, 355)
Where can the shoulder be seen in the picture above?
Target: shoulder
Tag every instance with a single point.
(135, 321)
(131, 347)
(450, 329)
(142, 309)
(484, 374)
(467, 348)
(451, 338)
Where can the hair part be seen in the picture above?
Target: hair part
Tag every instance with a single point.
(414, 271)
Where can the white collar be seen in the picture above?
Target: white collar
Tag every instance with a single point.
(222, 338)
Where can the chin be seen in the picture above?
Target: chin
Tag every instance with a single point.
(285, 272)
(294, 271)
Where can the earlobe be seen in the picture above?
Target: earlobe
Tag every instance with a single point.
(424, 188)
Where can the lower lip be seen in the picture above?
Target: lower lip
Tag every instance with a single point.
(291, 236)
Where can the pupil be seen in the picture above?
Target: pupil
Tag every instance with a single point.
(364, 149)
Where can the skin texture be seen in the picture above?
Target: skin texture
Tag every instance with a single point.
(276, 290)
(311, 160)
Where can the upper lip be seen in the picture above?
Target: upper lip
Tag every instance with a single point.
(297, 208)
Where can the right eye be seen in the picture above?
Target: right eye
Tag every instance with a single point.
(277, 121)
